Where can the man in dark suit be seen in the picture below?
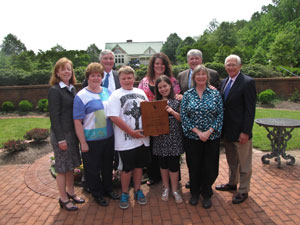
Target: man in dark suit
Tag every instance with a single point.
(239, 100)
(194, 58)
(107, 60)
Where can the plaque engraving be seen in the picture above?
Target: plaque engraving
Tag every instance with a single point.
(155, 118)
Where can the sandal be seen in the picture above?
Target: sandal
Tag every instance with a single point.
(76, 199)
(64, 205)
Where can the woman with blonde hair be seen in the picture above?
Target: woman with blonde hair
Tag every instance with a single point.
(62, 133)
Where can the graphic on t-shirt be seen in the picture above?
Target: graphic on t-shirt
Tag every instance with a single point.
(100, 119)
(135, 112)
(130, 107)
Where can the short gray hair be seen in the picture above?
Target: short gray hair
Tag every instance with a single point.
(194, 52)
(106, 52)
(236, 57)
(197, 70)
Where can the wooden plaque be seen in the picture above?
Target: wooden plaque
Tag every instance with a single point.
(155, 118)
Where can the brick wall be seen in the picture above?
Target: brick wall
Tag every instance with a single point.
(283, 87)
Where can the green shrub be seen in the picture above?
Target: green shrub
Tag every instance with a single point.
(25, 106)
(79, 73)
(295, 96)
(179, 68)
(266, 96)
(141, 72)
(219, 67)
(260, 71)
(10, 77)
(15, 145)
(43, 105)
(38, 77)
(37, 134)
(8, 106)
(288, 71)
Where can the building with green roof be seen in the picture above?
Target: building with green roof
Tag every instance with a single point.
(130, 52)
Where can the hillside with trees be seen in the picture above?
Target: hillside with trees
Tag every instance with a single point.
(268, 44)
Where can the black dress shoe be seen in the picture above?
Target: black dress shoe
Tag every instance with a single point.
(226, 187)
(239, 198)
(194, 200)
(206, 203)
(101, 201)
(113, 195)
(188, 184)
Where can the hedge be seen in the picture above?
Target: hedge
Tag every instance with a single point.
(9, 77)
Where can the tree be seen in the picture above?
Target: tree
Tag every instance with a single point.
(170, 46)
(183, 48)
(207, 45)
(285, 49)
(213, 25)
(93, 51)
(286, 10)
(58, 48)
(226, 34)
(259, 57)
(24, 61)
(222, 53)
(11, 45)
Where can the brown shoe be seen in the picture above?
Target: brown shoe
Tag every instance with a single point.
(226, 187)
(239, 198)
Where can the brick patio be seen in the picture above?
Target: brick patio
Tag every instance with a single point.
(28, 195)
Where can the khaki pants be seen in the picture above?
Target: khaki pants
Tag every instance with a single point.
(239, 159)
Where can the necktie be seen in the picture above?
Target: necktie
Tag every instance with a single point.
(190, 79)
(227, 89)
(106, 82)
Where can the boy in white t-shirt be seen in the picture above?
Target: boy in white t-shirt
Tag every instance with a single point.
(124, 111)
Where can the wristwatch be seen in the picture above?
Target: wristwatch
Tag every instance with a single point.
(211, 130)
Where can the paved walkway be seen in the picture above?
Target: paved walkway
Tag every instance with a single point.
(28, 195)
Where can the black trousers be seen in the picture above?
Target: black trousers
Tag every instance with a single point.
(153, 170)
(203, 160)
(98, 165)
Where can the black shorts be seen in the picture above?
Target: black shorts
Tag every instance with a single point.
(169, 162)
(139, 157)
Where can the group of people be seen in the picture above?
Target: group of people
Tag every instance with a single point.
(103, 120)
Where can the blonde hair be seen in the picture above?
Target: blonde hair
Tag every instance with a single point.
(126, 70)
(60, 64)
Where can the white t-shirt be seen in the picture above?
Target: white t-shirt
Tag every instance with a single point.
(126, 105)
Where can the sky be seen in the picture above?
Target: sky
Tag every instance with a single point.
(76, 24)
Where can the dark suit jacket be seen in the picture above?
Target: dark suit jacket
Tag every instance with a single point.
(184, 75)
(116, 78)
(60, 103)
(239, 107)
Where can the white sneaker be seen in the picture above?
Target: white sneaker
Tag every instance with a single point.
(177, 196)
(165, 195)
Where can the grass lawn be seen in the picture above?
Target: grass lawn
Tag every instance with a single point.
(16, 128)
(260, 139)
